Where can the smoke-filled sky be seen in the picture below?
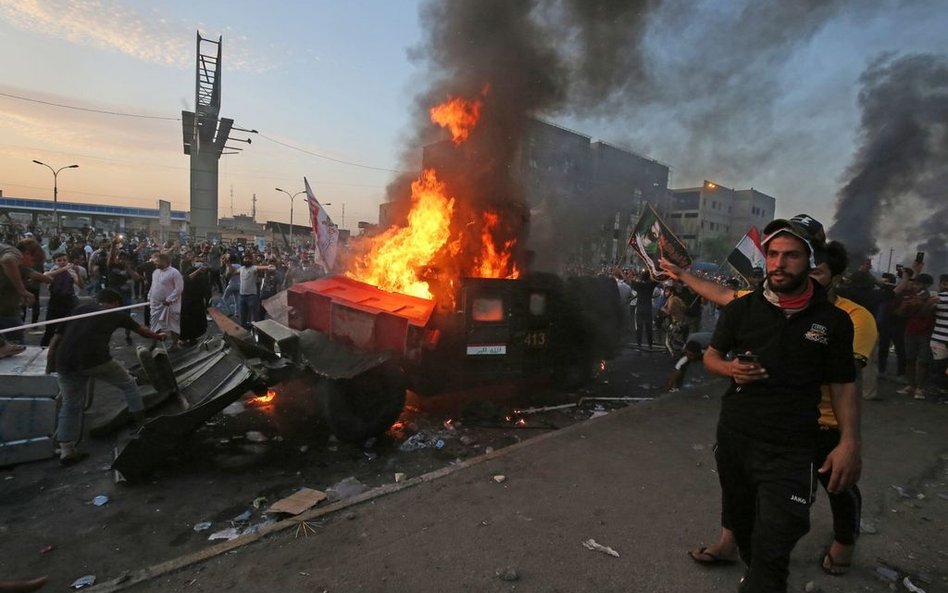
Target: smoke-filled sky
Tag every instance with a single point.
(760, 94)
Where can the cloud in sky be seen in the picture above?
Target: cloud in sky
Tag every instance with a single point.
(110, 25)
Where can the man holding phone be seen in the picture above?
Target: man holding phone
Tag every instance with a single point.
(792, 340)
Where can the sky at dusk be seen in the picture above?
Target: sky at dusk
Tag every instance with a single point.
(337, 79)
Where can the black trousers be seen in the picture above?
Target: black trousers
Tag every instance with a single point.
(766, 493)
(847, 505)
(893, 334)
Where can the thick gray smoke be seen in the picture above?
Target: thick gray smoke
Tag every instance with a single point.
(515, 49)
(693, 83)
(902, 161)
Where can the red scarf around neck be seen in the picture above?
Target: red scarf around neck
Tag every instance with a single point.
(798, 301)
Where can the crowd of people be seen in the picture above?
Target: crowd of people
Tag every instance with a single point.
(178, 280)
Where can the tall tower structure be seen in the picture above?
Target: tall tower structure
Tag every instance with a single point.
(205, 136)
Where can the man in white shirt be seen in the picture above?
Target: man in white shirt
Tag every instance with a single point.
(164, 297)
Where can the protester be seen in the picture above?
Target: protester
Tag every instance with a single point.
(625, 297)
(918, 310)
(693, 350)
(846, 506)
(194, 301)
(83, 354)
(768, 432)
(675, 323)
(62, 294)
(249, 301)
(164, 298)
(939, 343)
(644, 291)
(17, 263)
(891, 326)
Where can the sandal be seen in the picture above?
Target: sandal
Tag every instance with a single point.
(833, 567)
(703, 556)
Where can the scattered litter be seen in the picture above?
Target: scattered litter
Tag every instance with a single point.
(400, 477)
(301, 500)
(235, 408)
(887, 574)
(255, 436)
(500, 479)
(370, 455)
(943, 496)
(917, 431)
(598, 414)
(439, 444)
(304, 448)
(544, 409)
(306, 528)
(244, 516)
(100, 500)
(259, 502)
(591, 544)
(488, 450)
(467, 440)
(911, 586)
(811, 587)
(202, 526)
(345, 489)
(415, 442)
(698, 447)
(508, 574)
(349, 516)
(867, 527)
(582, 400)
(904, 491)
(228, 534)
(86, 581)
(47, 549)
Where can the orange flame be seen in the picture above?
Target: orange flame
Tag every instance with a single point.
(401, 254)
(458, 115)
(493, 263)
(264, 400)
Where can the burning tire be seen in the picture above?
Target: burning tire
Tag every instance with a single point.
(364, 406)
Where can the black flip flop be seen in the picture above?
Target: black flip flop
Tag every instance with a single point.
(711, 559)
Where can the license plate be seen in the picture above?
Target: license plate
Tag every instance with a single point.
(486, 349)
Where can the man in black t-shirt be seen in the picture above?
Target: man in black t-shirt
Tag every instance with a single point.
(789, 339)
(82, 353)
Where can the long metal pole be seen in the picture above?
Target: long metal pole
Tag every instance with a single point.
(70, 318)
(291, 222)
(56, 201)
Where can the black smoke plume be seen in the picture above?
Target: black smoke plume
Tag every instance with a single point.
(517, 51)
(899, 173)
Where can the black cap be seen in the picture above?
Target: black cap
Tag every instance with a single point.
(802, 226)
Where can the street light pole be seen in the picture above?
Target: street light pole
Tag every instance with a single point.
(292, 198)
(56, 190)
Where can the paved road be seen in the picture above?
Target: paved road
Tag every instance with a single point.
(640, 480)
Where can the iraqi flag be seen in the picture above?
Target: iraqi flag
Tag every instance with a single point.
(326, 233)
(748, 254)
(652, 239)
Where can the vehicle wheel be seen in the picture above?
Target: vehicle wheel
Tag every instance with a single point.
(364, 406)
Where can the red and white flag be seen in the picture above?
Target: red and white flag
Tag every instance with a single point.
(748, 254)
(326, 233)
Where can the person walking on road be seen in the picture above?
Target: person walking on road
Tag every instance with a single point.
(164, 297)
(790, 340)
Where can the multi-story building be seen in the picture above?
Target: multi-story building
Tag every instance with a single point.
(584, 197)
(711, 219)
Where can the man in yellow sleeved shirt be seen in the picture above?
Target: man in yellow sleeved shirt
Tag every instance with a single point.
(846, 505)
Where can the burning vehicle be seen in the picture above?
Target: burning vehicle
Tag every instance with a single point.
(441, 303)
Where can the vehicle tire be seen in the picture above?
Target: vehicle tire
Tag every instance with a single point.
(364, 406)
(573, 372)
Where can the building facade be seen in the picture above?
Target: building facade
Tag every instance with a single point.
(711, 219)
(584, 197)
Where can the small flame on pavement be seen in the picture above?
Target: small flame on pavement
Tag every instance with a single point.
(521, 422)
(264, 400)
(602, 365)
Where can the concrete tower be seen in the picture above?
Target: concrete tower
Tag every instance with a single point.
(205, 135)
